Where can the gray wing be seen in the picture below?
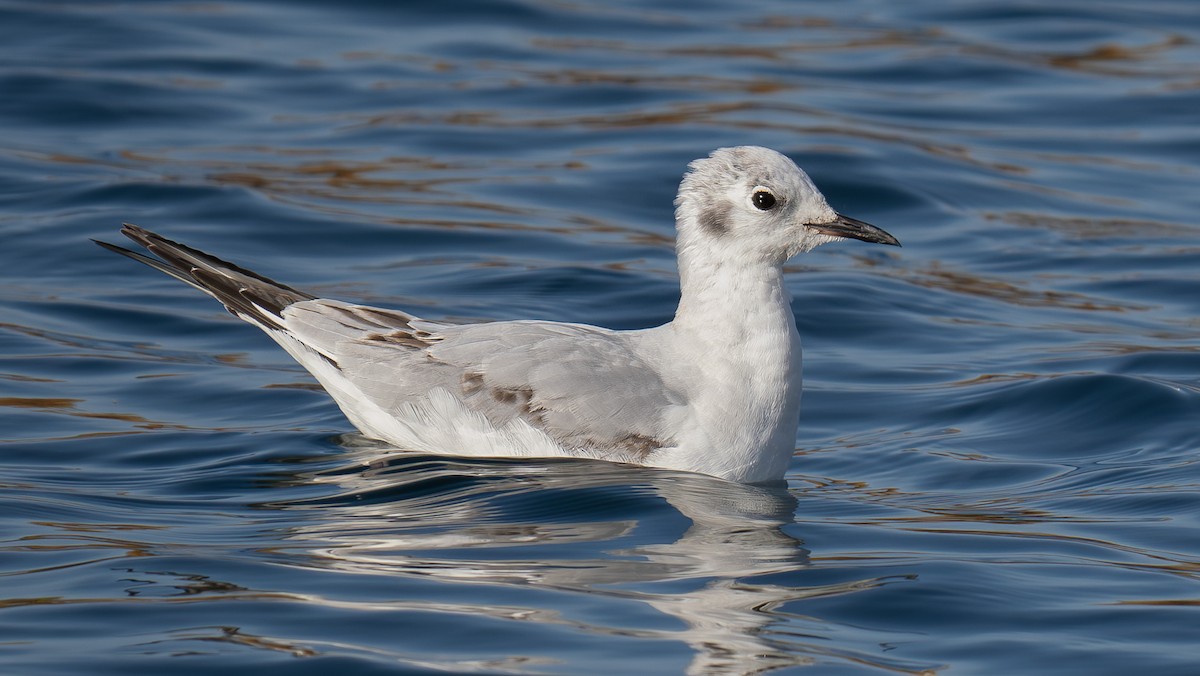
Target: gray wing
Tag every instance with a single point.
(588, 389)
(585, 387)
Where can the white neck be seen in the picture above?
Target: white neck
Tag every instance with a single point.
(726, 300)
(736, 333)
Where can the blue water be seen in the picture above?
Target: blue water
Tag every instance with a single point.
(996, 470)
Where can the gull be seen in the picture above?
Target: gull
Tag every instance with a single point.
(716, 390)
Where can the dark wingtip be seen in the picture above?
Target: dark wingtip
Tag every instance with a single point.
(244, 292)
(110, 247)
(119, 249)
(139, 234)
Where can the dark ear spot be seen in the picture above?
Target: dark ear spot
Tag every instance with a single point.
(714, 217)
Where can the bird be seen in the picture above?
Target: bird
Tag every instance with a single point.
(716, 390)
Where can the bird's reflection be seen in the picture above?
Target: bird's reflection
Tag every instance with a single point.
(690, 546)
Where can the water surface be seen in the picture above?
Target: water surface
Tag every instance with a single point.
(996, 469)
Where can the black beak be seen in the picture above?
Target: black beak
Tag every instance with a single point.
(853, 228)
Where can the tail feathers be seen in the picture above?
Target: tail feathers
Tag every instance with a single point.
(246, 294)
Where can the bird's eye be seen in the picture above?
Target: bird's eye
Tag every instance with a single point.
(762, 200)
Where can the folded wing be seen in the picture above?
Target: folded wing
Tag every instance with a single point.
(585, 388)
